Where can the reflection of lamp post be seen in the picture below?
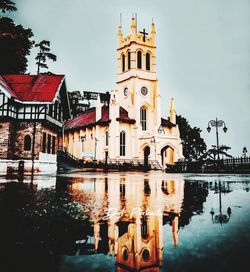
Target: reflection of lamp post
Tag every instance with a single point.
(217, 123)
(220, 218)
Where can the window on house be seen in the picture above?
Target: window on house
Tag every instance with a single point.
(123, 62)
(50, 109)
(44, 142)
(139, 64)
(143, 117)
(107, 138)
(27, 143)
(49, 144)
(55, 110)
(53, 144)
(122, 143)
(129, 59)
(148, 61)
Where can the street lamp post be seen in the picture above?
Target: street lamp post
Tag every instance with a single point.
(217, 123)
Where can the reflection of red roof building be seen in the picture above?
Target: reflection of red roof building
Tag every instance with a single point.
(36, 88)
(88, 119)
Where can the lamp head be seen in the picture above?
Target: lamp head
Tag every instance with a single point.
(225, 129)
(208, 129)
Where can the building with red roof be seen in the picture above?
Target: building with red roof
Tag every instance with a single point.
(32, 111)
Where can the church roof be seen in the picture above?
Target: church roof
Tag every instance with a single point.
(82, 120)
(35, 88)
(123, 117)
(167, 123)
(88, 119)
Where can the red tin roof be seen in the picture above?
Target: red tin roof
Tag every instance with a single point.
(82, 120)
(6, 87)
(35, 88)
(105, 114)
(88, 118)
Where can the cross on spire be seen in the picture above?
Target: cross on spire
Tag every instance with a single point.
(144, 34)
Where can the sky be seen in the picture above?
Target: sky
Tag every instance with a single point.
(203, 53)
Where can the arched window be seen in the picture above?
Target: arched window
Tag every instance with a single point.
(129, 59)
(123, 62)
(139, 59)
(122, 143)
(143, 117)
(27, 143)
(148, 61)
(107, 138)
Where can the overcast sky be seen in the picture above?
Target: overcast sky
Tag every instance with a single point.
(203, 53)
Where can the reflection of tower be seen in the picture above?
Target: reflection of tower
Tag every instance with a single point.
(175, 229)
(141, 246)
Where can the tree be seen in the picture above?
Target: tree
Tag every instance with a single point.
(213, 152)
(15, 43)
(77, 103)
(43, 55)
(194, 146)
(244, 152)
(7, 5)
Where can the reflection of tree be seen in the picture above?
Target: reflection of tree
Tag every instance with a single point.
(195, 193)
(43, 223)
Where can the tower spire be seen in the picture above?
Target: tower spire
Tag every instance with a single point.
(120, 36)
(133, 24)
(120, 19)
(153, 30)
(172, 111)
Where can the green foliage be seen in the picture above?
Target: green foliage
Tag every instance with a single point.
(244, 151)
(213, 152)
(77, 103)
(50, 206)
(15, 45)
(193, 145)
(7, 6)
(43, 54)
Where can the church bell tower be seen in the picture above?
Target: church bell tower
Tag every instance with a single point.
(136, 84)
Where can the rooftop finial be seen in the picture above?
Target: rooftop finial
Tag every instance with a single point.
(172, 111)
(133, 26)
(120, 19)
(136, 22)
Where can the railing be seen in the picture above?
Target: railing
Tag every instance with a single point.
(111, 163)
(240, 164)
(68, 156)
(236, 161)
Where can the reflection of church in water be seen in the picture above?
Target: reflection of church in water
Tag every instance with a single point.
(135, 239)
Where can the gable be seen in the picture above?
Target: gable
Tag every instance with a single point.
(33, 88)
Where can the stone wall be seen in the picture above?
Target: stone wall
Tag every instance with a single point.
(12, 136)
(4, 139)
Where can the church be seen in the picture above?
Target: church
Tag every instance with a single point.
(128, 125)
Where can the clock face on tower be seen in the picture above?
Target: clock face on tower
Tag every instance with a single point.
(125, 92)
(144, 91)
